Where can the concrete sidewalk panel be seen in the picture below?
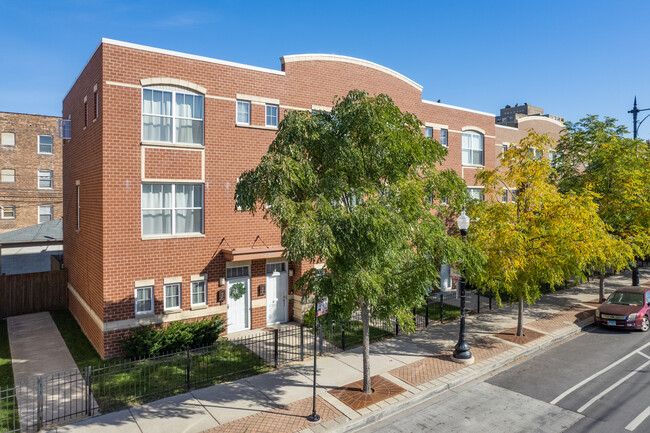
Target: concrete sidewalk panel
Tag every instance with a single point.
(379, 363)
(115, 422)
(181, 413)
(331, 372)
(400, 349)
(282, 386)
(228, 402)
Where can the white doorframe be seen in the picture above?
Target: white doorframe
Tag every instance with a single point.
(283, 279)
(247, 307)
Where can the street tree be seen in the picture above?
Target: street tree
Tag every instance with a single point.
(595, 155)
(356, 188)
(540, 239)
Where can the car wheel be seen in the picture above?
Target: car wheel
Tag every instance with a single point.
(645, 324)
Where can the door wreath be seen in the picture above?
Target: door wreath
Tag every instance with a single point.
(237, 291)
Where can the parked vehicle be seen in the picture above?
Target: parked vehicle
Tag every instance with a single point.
(626, 308)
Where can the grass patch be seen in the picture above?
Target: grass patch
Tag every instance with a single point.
(81, 349)
(353, 334)
(8, 406)
(127, 383)
(449, 312)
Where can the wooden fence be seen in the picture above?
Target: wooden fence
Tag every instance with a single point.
(33, 293)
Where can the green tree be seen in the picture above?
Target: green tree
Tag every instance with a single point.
(353, 188)
(594, 155)
(543, 237)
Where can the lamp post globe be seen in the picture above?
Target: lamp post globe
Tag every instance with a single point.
(462, 353)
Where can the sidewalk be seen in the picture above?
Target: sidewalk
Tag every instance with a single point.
(406, 370)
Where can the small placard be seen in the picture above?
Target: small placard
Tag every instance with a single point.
(322, 306)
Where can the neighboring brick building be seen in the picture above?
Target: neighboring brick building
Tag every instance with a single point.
(31, 176)
(509, 116)
(158, 141)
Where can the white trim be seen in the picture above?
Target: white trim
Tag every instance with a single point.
(257, 303)
(260, 99)
(174, 117)
(143, 283)
(473, 128)
(2, 210)
(135, 300)
(189, 56)
(507, 127)
(38, 179)
(245, 125)
(50, 213)
(180, 297)
(321, 108)
(205, 292)
(439, 104)
(160, 237)
(200, 277)
(266, 115)
(436, 125)
(187, 146)
(238, 264)
(351, 60)
(38, 144)
(237, 122)
(172, 280)
(130, 86)
(173, 82)
(221, 98)
(544, 118)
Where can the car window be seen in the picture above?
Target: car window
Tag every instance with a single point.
(647, 297)
(625, 298)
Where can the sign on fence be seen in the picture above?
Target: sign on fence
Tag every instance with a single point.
(322, 306)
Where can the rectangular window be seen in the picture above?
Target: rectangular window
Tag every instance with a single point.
(78, 208)
(85, 113)
(143, 300)
(472, 148)
(428, 131)
(7, 139)
(271, 115)
(8, 212)
(169, 209)
(272, 268)
(244, 112)
(45, 144)
(96, 104)
(173, 296)
(8, 175)
(476, 193)
(45, 179)
(504, 198)
(552, 155)
(199, 296)
(45, 214)
(443, 137)
(238, 272)
(172, 117)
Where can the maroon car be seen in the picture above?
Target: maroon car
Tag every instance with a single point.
(626, 308)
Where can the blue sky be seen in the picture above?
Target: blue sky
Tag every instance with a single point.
(571, 57)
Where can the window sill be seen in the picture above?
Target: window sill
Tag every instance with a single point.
(173, 145)
(198, 307)
(174, 311)
(144, 314)
(45, 153)
(473, 166)
(192, 235)
(245, 125)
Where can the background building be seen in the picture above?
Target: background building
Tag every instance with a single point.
(31, 170)
(509, 116)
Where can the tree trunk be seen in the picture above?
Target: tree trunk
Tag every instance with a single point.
(365, 319)
(601, 288)
(520, 317)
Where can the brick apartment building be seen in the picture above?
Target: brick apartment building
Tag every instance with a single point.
(158, 141)
(30, 170)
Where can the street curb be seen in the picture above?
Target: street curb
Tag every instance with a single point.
(379, 415)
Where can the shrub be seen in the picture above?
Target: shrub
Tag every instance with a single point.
(148, 341)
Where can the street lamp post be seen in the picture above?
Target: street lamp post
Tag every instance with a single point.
(462, 353)
(635, 132)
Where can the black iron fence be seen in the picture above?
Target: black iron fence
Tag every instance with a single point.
(60, 397)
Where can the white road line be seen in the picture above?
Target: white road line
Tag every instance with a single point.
(638, 420)
(643, 354)
(593, 400)
(595, 375)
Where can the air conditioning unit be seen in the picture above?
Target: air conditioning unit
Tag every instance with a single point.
(65, 129)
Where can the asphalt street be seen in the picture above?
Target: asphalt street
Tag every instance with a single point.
(597, 382)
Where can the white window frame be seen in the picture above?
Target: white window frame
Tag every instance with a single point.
(173, 210)
(504, 196)
(50, 176)
(231, 270)
(444, 138)
(78, 208)
(277, 115)
(49, 210)
(428, 131)
(179, 295)
(194, 283)
(9, 173)
(241, 104)
(6, 212)
(51, 145)
(5, 139)
(480, 190)
(150, 289)
(471, 135)
(96, 104)
(173, 116)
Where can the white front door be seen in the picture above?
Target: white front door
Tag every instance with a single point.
(277, 288)
(238, 293)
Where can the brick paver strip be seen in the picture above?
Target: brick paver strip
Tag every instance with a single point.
(288, 419)
(352, 396)
(511, 335)
(554, 322)
(435, 366)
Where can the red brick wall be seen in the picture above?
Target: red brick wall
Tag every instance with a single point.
(172, 164)
(25, 160)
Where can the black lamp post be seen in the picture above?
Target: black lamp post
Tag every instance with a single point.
(462, 353)
(635, 132)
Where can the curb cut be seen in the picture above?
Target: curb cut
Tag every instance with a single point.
(371, 418)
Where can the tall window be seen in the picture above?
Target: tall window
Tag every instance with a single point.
(143, 300)
(96, 104)
(244, 112)
(172, 116)
(45, 179)
(45, 214)
(45, 144)
(169, 209)
(78, 207)
(428, 131)
(476, 193)
(504, 198)
(271, 115)
(7, 139)
(173, 296)
(443, 137)
(8, 175)
(198, 293)
(85, 113)
(8, 212)
(472, 148)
